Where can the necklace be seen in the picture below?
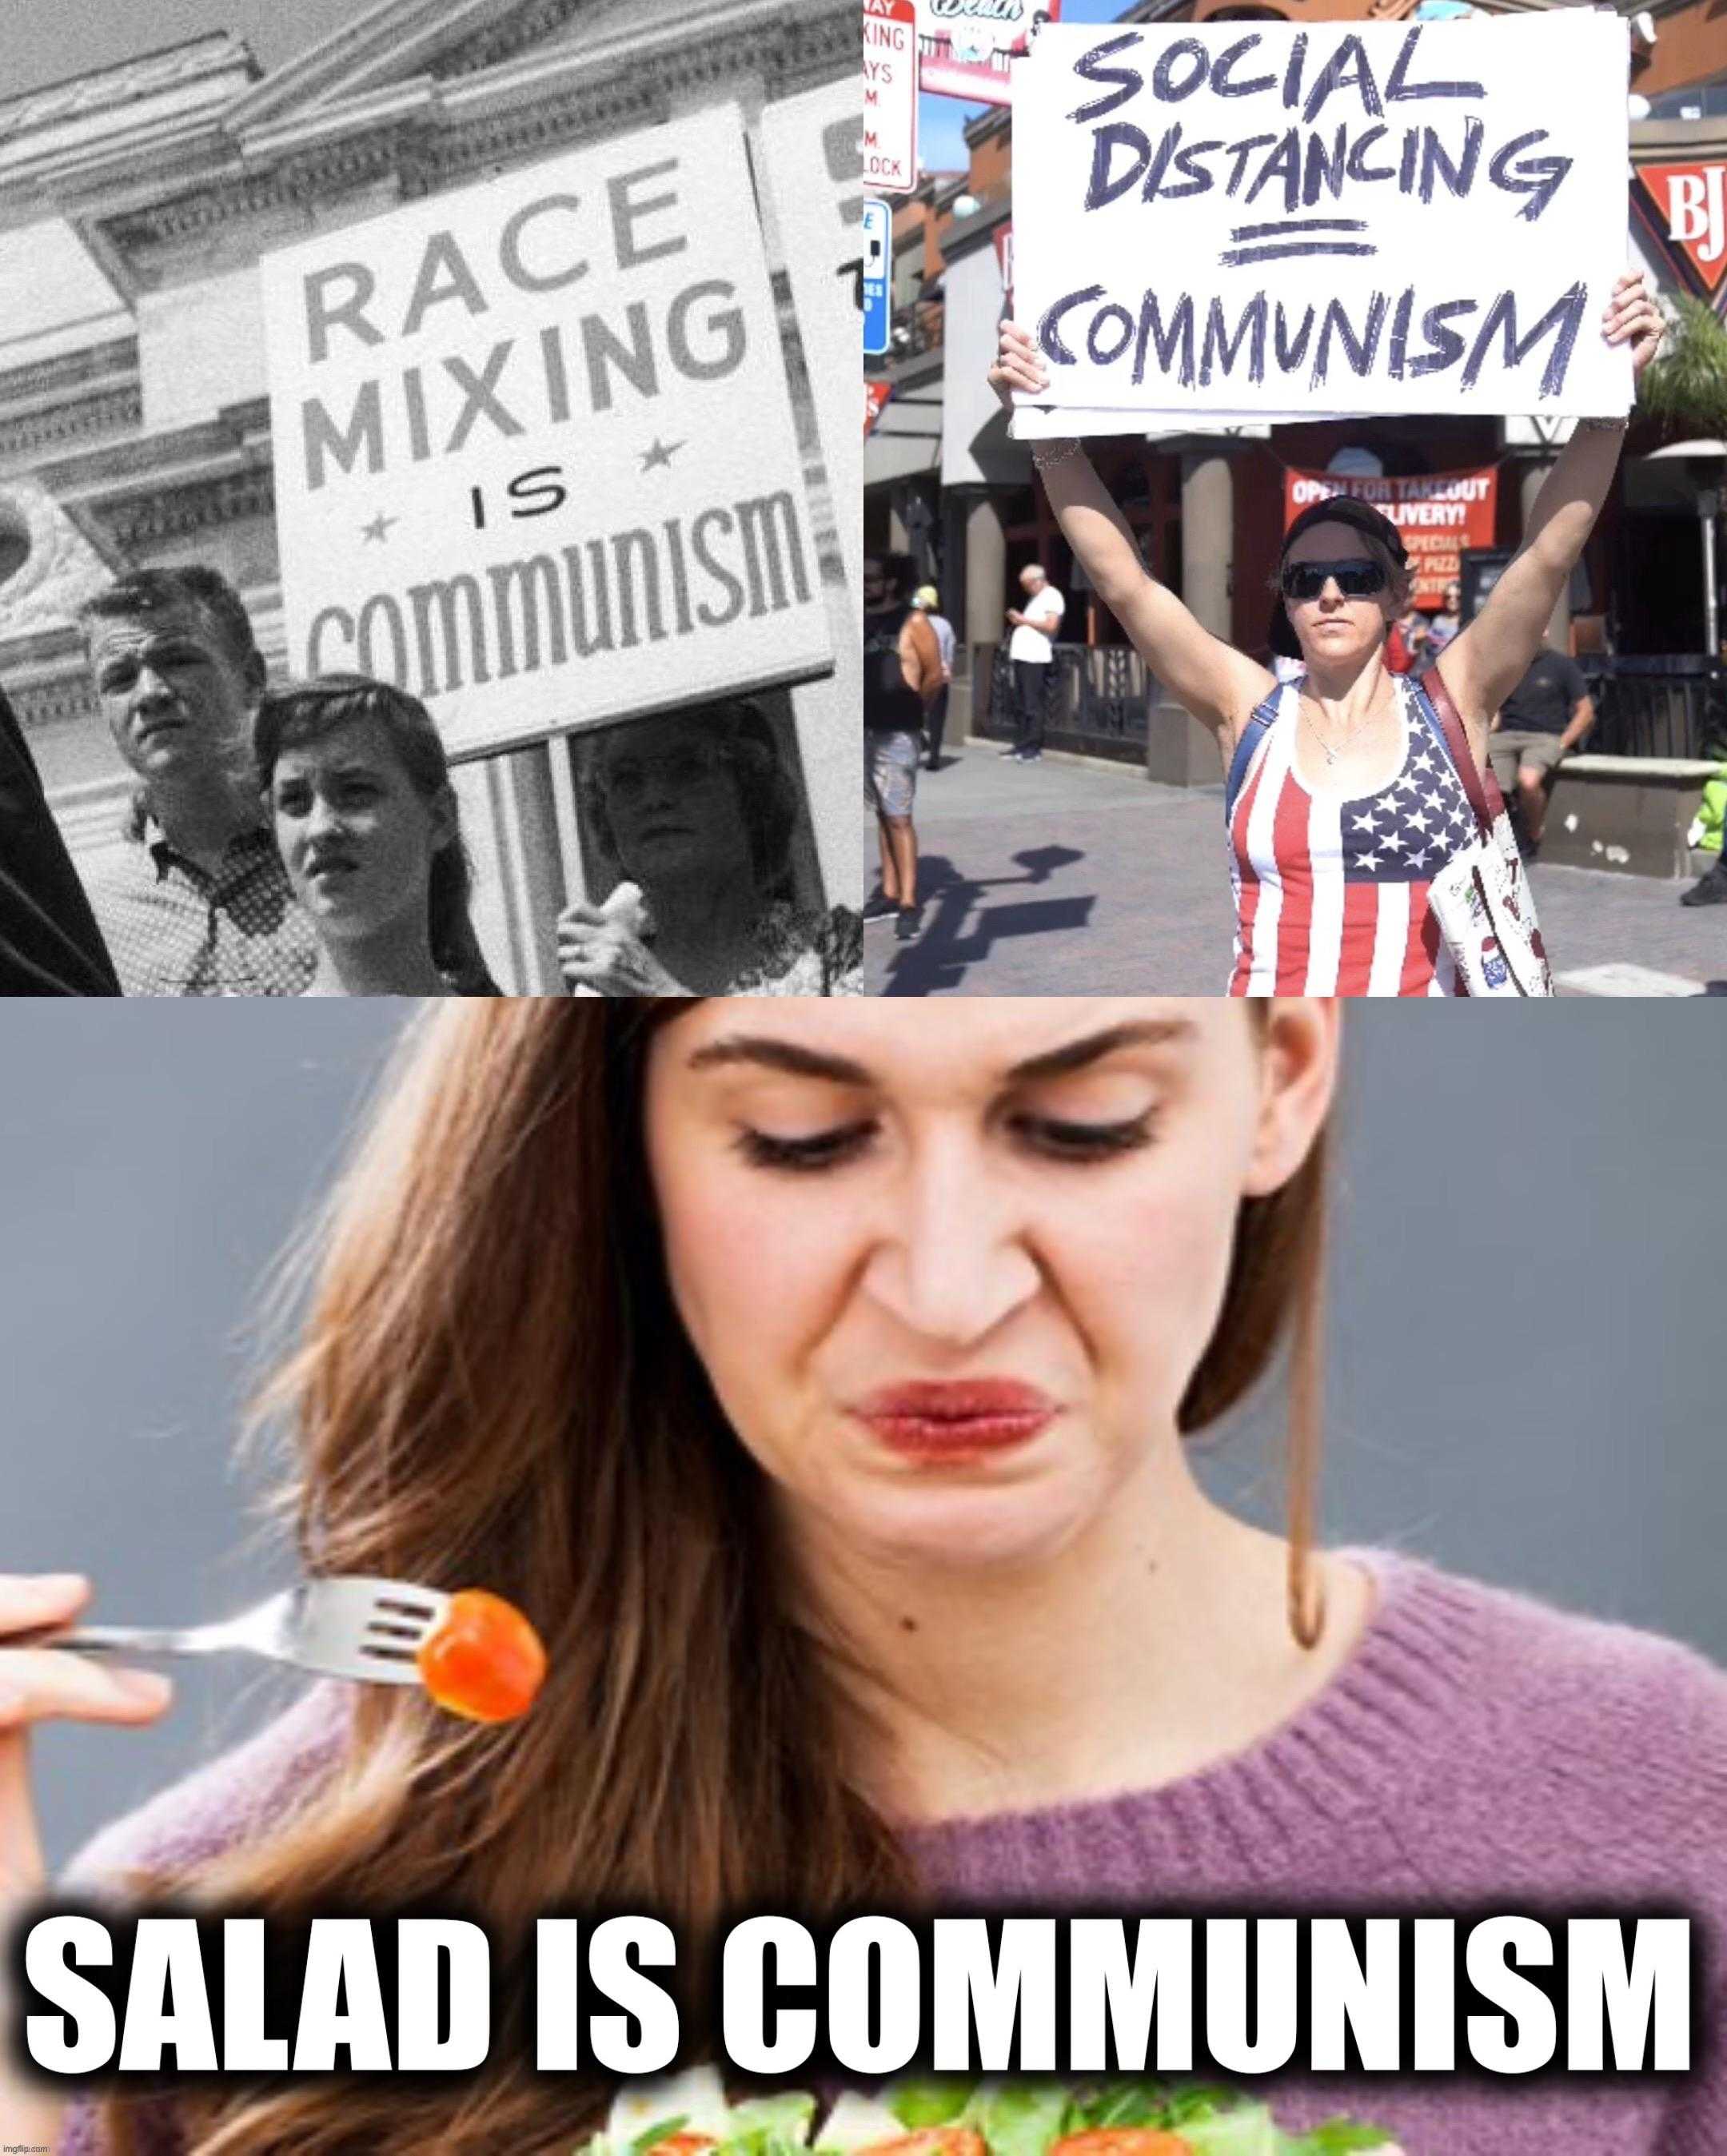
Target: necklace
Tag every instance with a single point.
(1331, 755)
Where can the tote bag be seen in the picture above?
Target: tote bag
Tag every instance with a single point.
(1482, 898)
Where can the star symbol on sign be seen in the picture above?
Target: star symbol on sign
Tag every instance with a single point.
(378, 528)
(662, 453)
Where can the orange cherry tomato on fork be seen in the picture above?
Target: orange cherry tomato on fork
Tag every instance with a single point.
(485, 1661)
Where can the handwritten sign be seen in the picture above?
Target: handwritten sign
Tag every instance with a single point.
(1437, 515)
(890, 95)
(1262, 219)
(535, 454)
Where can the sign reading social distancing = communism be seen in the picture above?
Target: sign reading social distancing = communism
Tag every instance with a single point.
(535, 454)
(1437, 515)
(1259, 221)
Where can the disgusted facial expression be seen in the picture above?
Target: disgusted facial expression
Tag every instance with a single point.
(951, 1270)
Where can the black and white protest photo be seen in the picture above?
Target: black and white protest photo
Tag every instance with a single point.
(387, 400)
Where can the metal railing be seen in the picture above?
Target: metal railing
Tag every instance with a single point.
(1668, 706)
(1097, 699)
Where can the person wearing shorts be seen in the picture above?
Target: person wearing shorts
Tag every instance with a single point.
(1545, 716)
(902, 676)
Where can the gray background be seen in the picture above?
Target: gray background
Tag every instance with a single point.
(1525, 1359)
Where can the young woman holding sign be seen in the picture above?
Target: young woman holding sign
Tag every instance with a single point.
(1347, 790)
(818, 1376)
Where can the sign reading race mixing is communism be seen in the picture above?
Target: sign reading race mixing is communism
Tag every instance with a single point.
(535, 456)
(1437, 515)
(1265, 221)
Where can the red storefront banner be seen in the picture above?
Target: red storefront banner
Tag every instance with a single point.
(875, 395)
(1437, 515)
(965, 46)
(1684, 207)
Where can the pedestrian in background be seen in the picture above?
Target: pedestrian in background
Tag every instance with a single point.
(1444, 625)
(927, 599)
(1032, 649)
(1544, 717)
(902, 676)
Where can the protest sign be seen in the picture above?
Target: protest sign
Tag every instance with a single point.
(966, 48)
(890, 95)
(1268, 221)
(1437, 514)
(811, 155)
(535, 456)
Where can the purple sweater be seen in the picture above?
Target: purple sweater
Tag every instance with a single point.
(1477, 1749)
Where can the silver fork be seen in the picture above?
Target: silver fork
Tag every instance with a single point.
(370, 1629)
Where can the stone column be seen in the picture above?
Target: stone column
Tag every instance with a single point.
(985, 578)
(1178, 751)
(1559, 628)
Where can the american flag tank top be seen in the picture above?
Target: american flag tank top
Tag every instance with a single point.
(1331, 894)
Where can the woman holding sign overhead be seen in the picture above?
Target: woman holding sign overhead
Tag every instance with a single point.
(1351, 791)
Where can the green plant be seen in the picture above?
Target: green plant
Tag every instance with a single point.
(1685, 388)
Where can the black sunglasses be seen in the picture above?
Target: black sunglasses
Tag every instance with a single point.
(1358, 578)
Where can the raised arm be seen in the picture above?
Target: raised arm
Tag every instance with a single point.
(1485, 662)
(1218, 685)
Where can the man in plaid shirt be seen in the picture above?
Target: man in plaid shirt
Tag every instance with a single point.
(198, 903)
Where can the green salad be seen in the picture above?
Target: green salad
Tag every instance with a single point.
(1017, 2118)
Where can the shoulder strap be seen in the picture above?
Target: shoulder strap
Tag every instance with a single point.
(1485, 800)
(1252, 734)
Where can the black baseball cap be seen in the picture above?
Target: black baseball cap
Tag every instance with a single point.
(1340, 509)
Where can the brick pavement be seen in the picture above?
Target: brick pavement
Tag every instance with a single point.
(1060, 878)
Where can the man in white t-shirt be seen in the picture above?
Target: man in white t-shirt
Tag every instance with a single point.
(1030, 651)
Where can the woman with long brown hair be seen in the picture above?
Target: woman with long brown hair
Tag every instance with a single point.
(817, 1377)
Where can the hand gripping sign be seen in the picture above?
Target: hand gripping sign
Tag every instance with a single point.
(535, 455)
(1262, 222)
